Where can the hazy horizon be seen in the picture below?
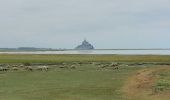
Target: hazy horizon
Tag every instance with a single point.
(106, 24)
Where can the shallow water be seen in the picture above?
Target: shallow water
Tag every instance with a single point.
(123, 52)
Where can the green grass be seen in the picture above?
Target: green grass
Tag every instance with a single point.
(86, 82)
(21, 58)
(163, 82)
(83, 83)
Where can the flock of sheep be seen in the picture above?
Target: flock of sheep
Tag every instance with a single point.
(4, 67)
(70, 65)
(107, 65)
(73, 65)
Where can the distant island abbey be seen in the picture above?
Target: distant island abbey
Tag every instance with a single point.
(85, 46)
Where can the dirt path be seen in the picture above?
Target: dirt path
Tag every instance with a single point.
(139, 86)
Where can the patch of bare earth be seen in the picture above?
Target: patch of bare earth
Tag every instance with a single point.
(140, 85)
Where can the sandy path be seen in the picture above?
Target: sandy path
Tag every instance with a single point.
(139, 86)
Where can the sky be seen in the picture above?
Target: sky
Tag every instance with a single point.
(107, 24)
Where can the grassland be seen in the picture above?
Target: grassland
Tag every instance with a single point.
(21, 58)
(138, 77)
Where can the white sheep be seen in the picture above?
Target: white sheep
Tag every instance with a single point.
(3, 69)
(43, 68)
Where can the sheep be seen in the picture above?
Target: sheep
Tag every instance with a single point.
(104, 66)
(64, 66)
(14, 65)
(96, 63)
(73, 67)
(15, 68)
(61, 67)
(114, 65)
(64, 63)
(29, 68)
(21, 65)
(8, 66)
(3, 69)
(43, 68)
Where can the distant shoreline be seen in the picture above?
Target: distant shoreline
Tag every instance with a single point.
(16, 50)
(95, 51)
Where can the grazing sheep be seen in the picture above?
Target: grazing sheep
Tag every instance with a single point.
(64, 63)
(15, 68)
(114, 65)
(97, 63)
(21, 65)
(14, 65)
(63, 67)
(3, 69)
(104, 66)
(43, 68)
(8, 66)
(73, 67)
(29, 68)
(79, 63)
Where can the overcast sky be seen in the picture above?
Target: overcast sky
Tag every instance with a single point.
(104, 23)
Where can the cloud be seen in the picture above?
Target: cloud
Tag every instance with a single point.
(64, 23)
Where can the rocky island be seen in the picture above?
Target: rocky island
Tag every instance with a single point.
(85, 46)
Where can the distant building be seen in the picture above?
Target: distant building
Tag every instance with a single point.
(85, 46)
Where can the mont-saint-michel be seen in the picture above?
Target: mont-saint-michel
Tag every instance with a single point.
(85, 46)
